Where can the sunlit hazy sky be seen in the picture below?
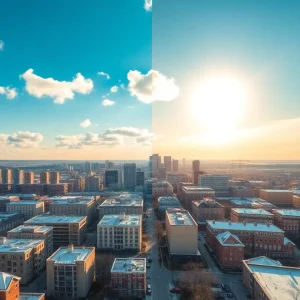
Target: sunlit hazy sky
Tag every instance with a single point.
(121, 79)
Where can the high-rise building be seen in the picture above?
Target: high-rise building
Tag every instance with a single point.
(109, 165)
(196, 170)
(214, 181)
(45, 177)
(71, 272)
(92, 183)
(140, 178)
(111, 178)
(184, 163)
(0, 176)
(162, 173)
(168, 163)
(130, 176)
(87, 167)
(155, 163)
(18, 176)
(175, 165)
(28, 177)
(6, 175)
(54, 177)
(95, 167)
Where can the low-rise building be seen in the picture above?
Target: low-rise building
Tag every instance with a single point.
(207, 209)
(32, 296)
(165, 203)
(66, 229)
(7, 199)
(229, 250)
(267, 279)
(251, 215)
(241, 191)
(280, 198)
(22, 257)
(120, 232)
(259, 239)
(288, 220)
(155, 188)
(27, 208)
(182, 235)
(9, 221)
(35, 232)
(71, 272)
(9, 286)
(128, 277)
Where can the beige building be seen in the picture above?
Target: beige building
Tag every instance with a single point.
(45, 177)
(35, 232)
(22, 257)
(70, 272)
(120, 232)
(280, 198)
(66, 229)
(28, 208)
(28, 177)
(182, 232)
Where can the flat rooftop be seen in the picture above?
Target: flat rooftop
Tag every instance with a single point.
(180, 218)
(18, 245)
(72, 201)
(243, 226)
(122, 202)
(168, 200)
(194, 189)
(278, 191)
(4, 215)
(120, 220)
(66, 198)
(32, 296)
(251, 211)
(49, 219)
(66, 255)
(24, 202)
(288, 212)
(31, 229)
(129, 265)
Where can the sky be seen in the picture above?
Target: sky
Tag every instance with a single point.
(123, 79)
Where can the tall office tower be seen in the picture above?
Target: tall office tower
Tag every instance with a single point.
(162, 173)
(18, 176)
(45, 177)
(92, 183)
(109, 165)
(175, 165)
(87, 167)
(168, 163)
(130, 176)
(140, 178)
(95, 167)
(196, 170)
(111, 178)
(0, 176)
(155, 164)
(6, 175)
(183, 163)
(28, 177)
(54, 177)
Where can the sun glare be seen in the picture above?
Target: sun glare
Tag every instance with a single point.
(219, 103)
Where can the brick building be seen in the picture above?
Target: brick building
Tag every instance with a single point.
(288, 220)
(251, 215)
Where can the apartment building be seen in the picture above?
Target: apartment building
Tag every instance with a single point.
(241, 191)
(229, 250)
(155, 188)
(7, 199)
(259, 239)
(120, 232)
(54, 177)
(22, 257)
(66, 229)
(35, 232)
(28, 177)
(165, 203)
(27, 208)
(71, 272)
(131, 205)
(74, 207)
(182, 235)
(9, 221)
(207, 209)
(267, 279)
(280, 198)
(288, 220)
(216, 182)
(56, 189)
(251, 215)
(128, 277)
(45, 177)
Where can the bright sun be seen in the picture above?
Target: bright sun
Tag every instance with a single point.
(219, 103)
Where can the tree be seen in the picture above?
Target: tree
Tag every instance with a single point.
(159, 231)
(103, 266)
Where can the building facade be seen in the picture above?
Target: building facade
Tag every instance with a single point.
(280, 198)
(251, 215)
(288, 220)
(9, 221)
(28, 177)
(130, 176)
(45, 177)
(214, 181)
(29, 209)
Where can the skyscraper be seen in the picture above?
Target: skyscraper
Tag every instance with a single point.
(111, 178)
(6, 175)
(87, 167)
(130, 176)
(28, 177)
(155, 162)
(168, 163)
(175, 165)
(18, 176)
(45, 177)
(140, 178)
(54, 177)
(162, 173)
(196, 170)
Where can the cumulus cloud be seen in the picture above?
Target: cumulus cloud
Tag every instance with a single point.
(86, 123)
(9, 93)
(24, 139)
(104, 74)
(1, 45)
(58, 90)
(107, 102)
(148, 5)
(152, 86)
(114, 89)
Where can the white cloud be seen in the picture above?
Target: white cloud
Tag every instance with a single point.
(148, 5)
(104, 74)
(114, 89)
(86, 123)
(58, 90)
(108, 102)
(10, 93)
(152, 86)
(1, 45)
(24, 139)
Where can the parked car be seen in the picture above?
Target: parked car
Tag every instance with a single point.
(149, 290)
(226, 288)
(229, 295)
(149, 258)
(175, 290)
(148, 266)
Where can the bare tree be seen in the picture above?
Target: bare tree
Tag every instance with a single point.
(103, 266)
(294, 290)
(159, 231)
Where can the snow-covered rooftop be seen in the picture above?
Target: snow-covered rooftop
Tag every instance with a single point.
(197, 189)
(32, 296)
(243, 226)
(180, 217)
(18, 245)
(25, 203)
(50, 219)
(288, 212)
(32, 229)
(70, 198)
(129, 265)
(122, 202)
(263, 260)
(228, 239)
(70, 255)
(251, 211)
(120, 220)
(5, 280)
